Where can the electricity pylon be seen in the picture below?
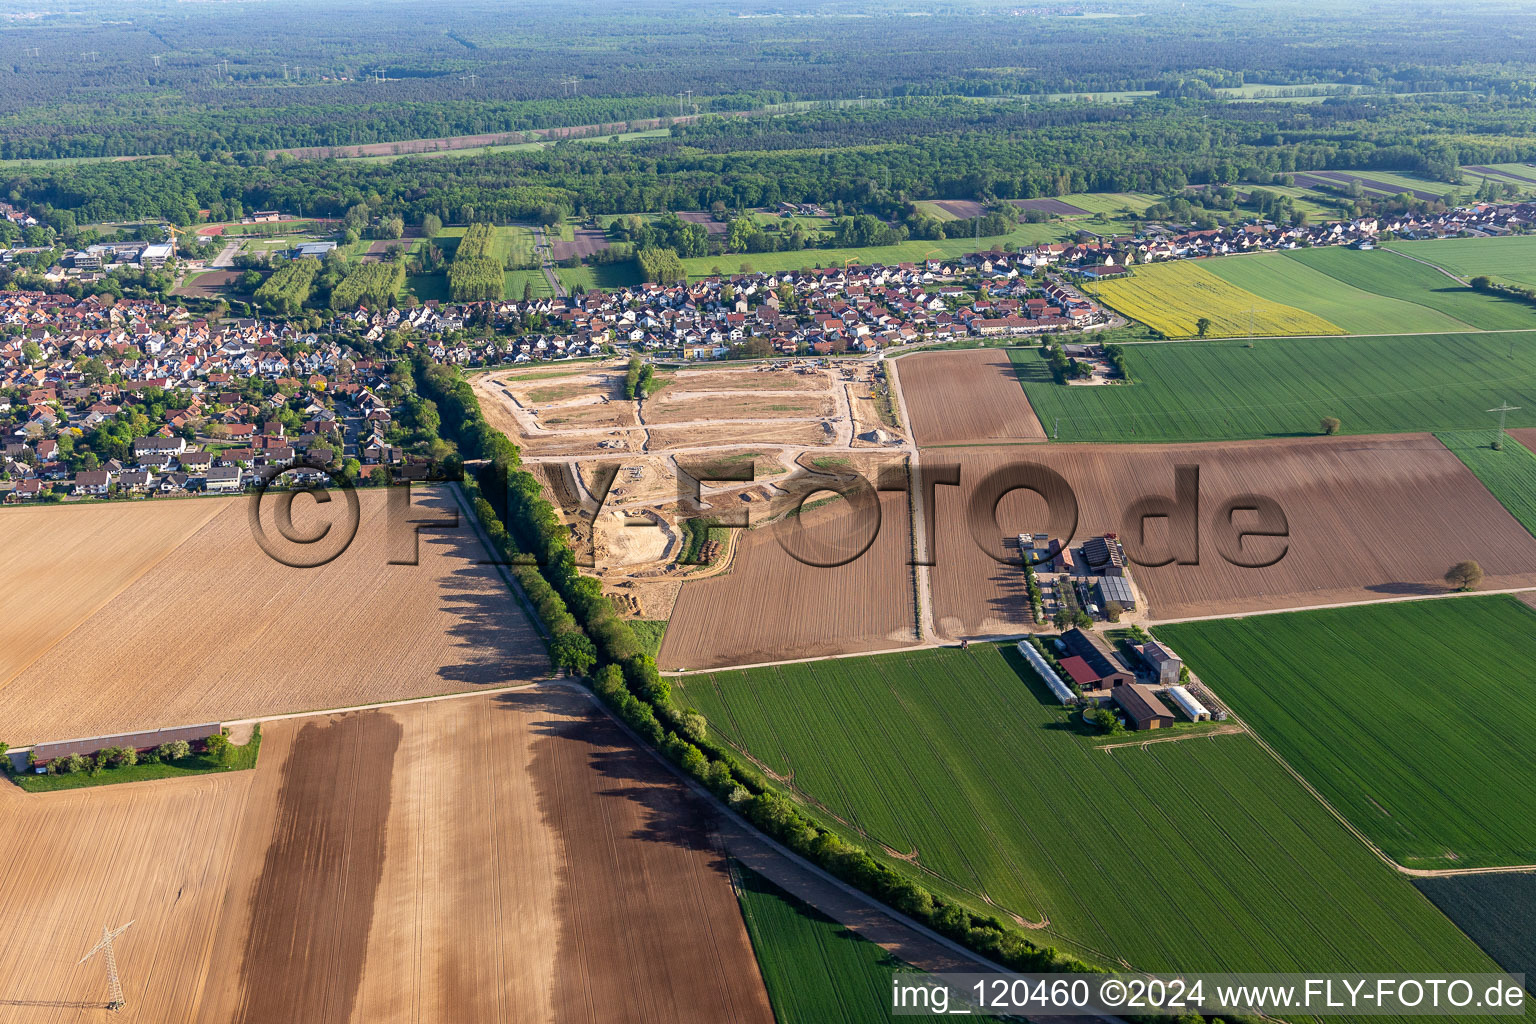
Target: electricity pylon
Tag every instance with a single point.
(114, 984)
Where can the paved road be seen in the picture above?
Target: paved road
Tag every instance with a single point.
(545, 249)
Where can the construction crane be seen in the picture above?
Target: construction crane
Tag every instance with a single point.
(114, 983)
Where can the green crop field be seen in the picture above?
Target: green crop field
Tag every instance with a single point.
(1400, 714)
(1382, 272)
(889, 255)
(1201, 853)
(1278, 278)
(1511, 258)
(1496, 911)
(514, 280)
(816, 971)
(1509, 474)
(1173, 297)
(607, 276)
(1225, 390)
(1112, 204)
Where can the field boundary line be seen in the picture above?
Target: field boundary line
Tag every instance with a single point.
(1433, 266)
(1381, 855)
(746, 831)
(1342, 604)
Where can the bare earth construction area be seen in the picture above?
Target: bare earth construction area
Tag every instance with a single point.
(482, 859)
(171, 614)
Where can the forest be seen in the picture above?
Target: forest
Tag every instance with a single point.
(169, 78)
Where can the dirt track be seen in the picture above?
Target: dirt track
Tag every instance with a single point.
(970, 396)
(500, 858)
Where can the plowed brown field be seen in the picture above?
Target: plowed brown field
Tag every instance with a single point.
(1369, 518)
(502, 858)
(965, 397)
(59, 565)
(771, 606)
(199, 624)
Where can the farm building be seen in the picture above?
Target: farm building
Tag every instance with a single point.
(1142, 708)
(1113, 588)
(139, 741)
(1104, 556)
(1192, 708)
(1091, 663)
(1165, 664)
(1061, 690)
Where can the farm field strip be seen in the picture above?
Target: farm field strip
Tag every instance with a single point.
(1173, 297)
(724, 620)
(1278, 278)
(965, 397)
(1223, 390)
(1509, 474)
(1495, 911)
(1234, 865)
(335, 881)
(1510, 258)
(220, 630)
(1381, 739)
(1386, 273)
(1366, 518)
(816, 971)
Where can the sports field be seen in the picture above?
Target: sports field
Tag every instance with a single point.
(1174, 297)
(1385, 273)
(1222, 390)
(1509, 473)
(1195, 853)
(1511, 258)
(1400, 714)
(1279, 278)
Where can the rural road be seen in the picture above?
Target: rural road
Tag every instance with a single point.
(226, 257)
(925, 625)
(546, 250)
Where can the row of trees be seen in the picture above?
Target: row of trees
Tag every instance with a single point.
(288, 288)
(369, 284)
(629, 682)
(475, 274)
(660, 265)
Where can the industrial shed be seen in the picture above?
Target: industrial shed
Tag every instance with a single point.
(1192, 708)
(1116, 589)
(1096, 657)
(1061, 690)
(1165, 664)
(1142, 707)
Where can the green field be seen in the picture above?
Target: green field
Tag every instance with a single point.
(816, 971)
(515, 279)
(1226, 390)
(1497, 911)
(1381, 272)
(1200, 854)
(1403, 715)
(1277, 277)
(1112, 204)
(1511, 258)
(607, 276)
(1174, 297)
(1509, 474)
(889, 255)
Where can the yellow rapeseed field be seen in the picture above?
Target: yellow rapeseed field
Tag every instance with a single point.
(1172, 297)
